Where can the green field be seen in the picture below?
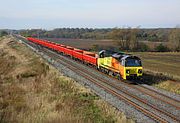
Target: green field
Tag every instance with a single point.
(167, 63)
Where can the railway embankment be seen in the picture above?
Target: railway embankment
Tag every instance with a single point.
(162, 81)
(33, 91)
(93, 80)
(162, 69)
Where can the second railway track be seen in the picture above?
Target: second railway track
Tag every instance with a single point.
(94, 77)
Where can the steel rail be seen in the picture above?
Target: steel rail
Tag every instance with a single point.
(122, 90)
(113, 92)
(122, 97)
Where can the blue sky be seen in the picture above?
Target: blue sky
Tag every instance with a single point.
(49, 14)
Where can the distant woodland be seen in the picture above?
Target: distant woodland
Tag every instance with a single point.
(133, 39)
(86, 33)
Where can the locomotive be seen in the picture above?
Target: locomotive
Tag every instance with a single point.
(117, 64)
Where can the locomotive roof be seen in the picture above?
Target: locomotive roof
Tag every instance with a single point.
(118, 55)
(124, 56)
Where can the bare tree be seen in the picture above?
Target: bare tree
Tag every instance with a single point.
(117, 35)
(126, 38)
(174, 39)
(133, 38)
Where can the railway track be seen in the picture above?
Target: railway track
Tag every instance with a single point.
(153, 93)
(140, 104)
(159, 96)
(143, 102)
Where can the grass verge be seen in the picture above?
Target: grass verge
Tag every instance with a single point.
(162, 70)
(33, 91)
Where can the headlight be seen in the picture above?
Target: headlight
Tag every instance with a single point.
(140, 71)
(127, 71)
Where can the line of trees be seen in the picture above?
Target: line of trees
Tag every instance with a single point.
(154, 35)
(126, 38)
(3, 33)
(75, 33)
(129, 39)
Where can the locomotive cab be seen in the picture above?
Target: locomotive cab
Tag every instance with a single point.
(129, 66)
(122, 65)
(133, 67)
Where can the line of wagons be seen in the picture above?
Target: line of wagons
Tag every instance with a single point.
(85, 56)
(117, 64)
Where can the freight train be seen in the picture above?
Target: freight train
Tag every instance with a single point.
(118, 64)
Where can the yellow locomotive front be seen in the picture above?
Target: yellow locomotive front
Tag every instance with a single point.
(132, 67)
(120, 65)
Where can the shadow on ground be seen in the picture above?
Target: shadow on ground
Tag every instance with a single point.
(151, 78)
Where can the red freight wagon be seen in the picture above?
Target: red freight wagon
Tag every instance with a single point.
(32, 40)
(62, 48)
(59, 48)
(90, 58)
(68, 50)
(51, 45)
(44, 43)
(77, 53)
(55, 47)
(36, 41)
(47, 44)
(41, 42)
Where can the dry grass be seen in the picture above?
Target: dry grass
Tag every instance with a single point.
(161, 68)
(170, 86)
(167, 63)
(31, 91)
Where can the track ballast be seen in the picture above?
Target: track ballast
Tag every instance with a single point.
(154, 106)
